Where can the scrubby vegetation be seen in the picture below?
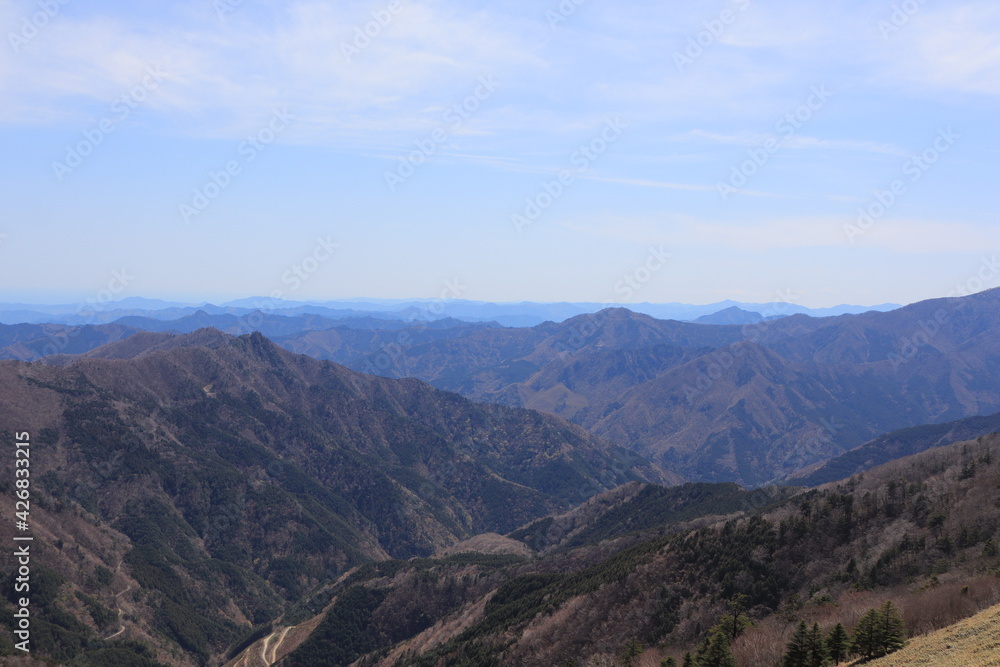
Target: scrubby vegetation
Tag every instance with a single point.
(221, 481)
(783, 585)
(969, 643)
(198, 500)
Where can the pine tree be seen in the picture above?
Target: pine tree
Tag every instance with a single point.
(702, 650)
(669, 662)
(688, 660)
(735, 621)
(864, 642)
(717, 652)
(837, 643)
(879, 632)
(797, 652)
(816, 647)
(632, 651)
(892, 634)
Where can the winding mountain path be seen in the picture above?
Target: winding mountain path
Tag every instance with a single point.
(273, 658)
(268, 654)
(121, 612)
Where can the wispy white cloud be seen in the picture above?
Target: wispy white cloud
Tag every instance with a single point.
(928, 236)
(223, 75)
(667, 185)
(802, 232)
(952, 47)
(748, 138)
(689, 231)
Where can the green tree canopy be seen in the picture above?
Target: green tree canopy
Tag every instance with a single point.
(837, 643)
(797, 650)
(879, 632)
(806, 647)
(715, 652)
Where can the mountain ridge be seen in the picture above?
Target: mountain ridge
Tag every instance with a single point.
(751, 403)
(224, 477)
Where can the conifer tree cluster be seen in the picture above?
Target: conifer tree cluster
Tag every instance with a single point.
(878, 633)
(715, 650)
(807, 648)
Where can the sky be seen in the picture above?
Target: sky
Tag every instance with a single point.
(580, 150)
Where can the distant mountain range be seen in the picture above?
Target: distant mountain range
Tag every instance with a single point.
(896, 445)
(410, 310)
(28, 342)
(734, 315)
(749, 403)
(752, 402)
(208, 499)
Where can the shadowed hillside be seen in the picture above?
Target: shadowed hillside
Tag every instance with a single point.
(613, 585)
(216, 480)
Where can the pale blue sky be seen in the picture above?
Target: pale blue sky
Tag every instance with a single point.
(313, 121)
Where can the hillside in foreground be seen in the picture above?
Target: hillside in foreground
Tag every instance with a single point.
(973, 642)
(195, 486)
(610, 585)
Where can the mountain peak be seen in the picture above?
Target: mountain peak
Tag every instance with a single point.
(205, 337)
(731, 315)
(615, 314)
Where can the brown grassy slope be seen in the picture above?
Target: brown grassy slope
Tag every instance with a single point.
(974, 642)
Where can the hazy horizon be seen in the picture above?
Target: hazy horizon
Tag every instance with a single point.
(559, 152)
(68, 300)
